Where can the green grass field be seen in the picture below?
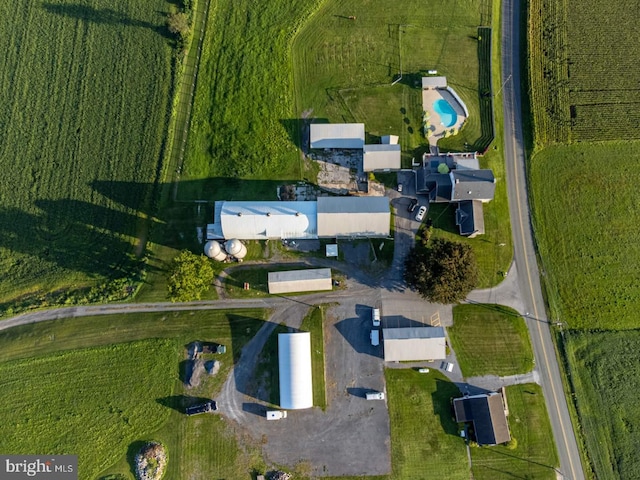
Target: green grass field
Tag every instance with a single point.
(490, 340)
(344, 68)
(126, 393)
(243, 122)
(425, 441)
(314, 323)
(86, 91)
(535, 456)
(585, 212)
(604, 369)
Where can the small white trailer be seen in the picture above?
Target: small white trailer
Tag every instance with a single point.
(276, 414)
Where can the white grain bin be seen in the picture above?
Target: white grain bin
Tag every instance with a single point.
(236, 248)
(213, 249)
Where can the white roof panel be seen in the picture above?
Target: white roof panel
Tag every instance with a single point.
(337, 135)
(294, 359)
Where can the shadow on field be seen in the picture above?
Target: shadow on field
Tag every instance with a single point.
(180, 403)
(442, 399)
(103, 16)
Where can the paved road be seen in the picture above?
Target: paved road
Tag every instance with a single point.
(524, 252)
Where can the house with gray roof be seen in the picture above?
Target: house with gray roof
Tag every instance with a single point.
(487, 414)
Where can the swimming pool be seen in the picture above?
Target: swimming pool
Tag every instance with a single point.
(447, 114)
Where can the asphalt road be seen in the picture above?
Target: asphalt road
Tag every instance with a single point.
(524, 252)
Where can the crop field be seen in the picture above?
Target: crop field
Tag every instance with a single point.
(86, 95)
(490, 340)
(130, 391)
(535, 456)
(604, 368)
(243, 121)
(583, 69)
(344, 66)
(584, 200)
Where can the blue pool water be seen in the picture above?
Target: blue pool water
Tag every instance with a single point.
(447, 114)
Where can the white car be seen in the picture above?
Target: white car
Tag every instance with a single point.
(420, 214)
(400, 187)
(448, 366)
(375, 395)
(375, 316)
(375, 337)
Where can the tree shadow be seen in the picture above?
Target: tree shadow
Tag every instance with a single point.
(442, 399)
(103, 16)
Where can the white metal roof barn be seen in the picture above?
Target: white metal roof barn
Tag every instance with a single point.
(353, 217)
(337, 135)
(309, 280)
(264, 220)
(294, 359)
(381, 157)
(414, 343)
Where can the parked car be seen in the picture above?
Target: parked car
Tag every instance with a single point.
(400, 187)
(375, 337)
(375, 395)
(375, 316)
(421, 211)
(412, 206)
(423, 370)
(447, 366)
(276, 414)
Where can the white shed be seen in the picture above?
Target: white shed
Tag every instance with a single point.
(414, 343)
(381, 157)
(309, 280)
(294, 360)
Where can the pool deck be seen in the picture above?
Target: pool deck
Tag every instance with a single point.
(429, 96)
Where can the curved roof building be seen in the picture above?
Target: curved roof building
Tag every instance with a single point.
(294, 358)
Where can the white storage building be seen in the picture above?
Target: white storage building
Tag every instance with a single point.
(308, 280)
(294, 359)
(381, 157)
(337, 135)
(353, 217)
(414, 343)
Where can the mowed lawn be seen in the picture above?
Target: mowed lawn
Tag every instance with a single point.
(344, 67)
(535, 456)
(425, 440)
(86, 95)
(490, 340)
(586, 211)
(604, 370)
(67, 388)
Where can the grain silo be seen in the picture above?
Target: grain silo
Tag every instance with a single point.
(236, 248)
(213, 249)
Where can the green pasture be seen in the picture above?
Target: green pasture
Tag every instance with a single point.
(87, 95)
(243, 123)
(535, 456)
(95, 395)
(604, 371)
(490, 340)
(585, 211)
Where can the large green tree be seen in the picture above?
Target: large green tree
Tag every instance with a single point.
(190, 277)
(444, 272)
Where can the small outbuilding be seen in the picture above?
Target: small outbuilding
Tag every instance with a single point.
(414, 344)
(308, 280)
(294, 361)
(487, 413)
(434, 82)
(337, 135)
(381, 157)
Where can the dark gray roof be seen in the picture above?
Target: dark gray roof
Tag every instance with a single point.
(436, 185)
(486, 411)
(470, 217)
(472, 185)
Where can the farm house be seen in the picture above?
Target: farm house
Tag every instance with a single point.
(294, 360)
